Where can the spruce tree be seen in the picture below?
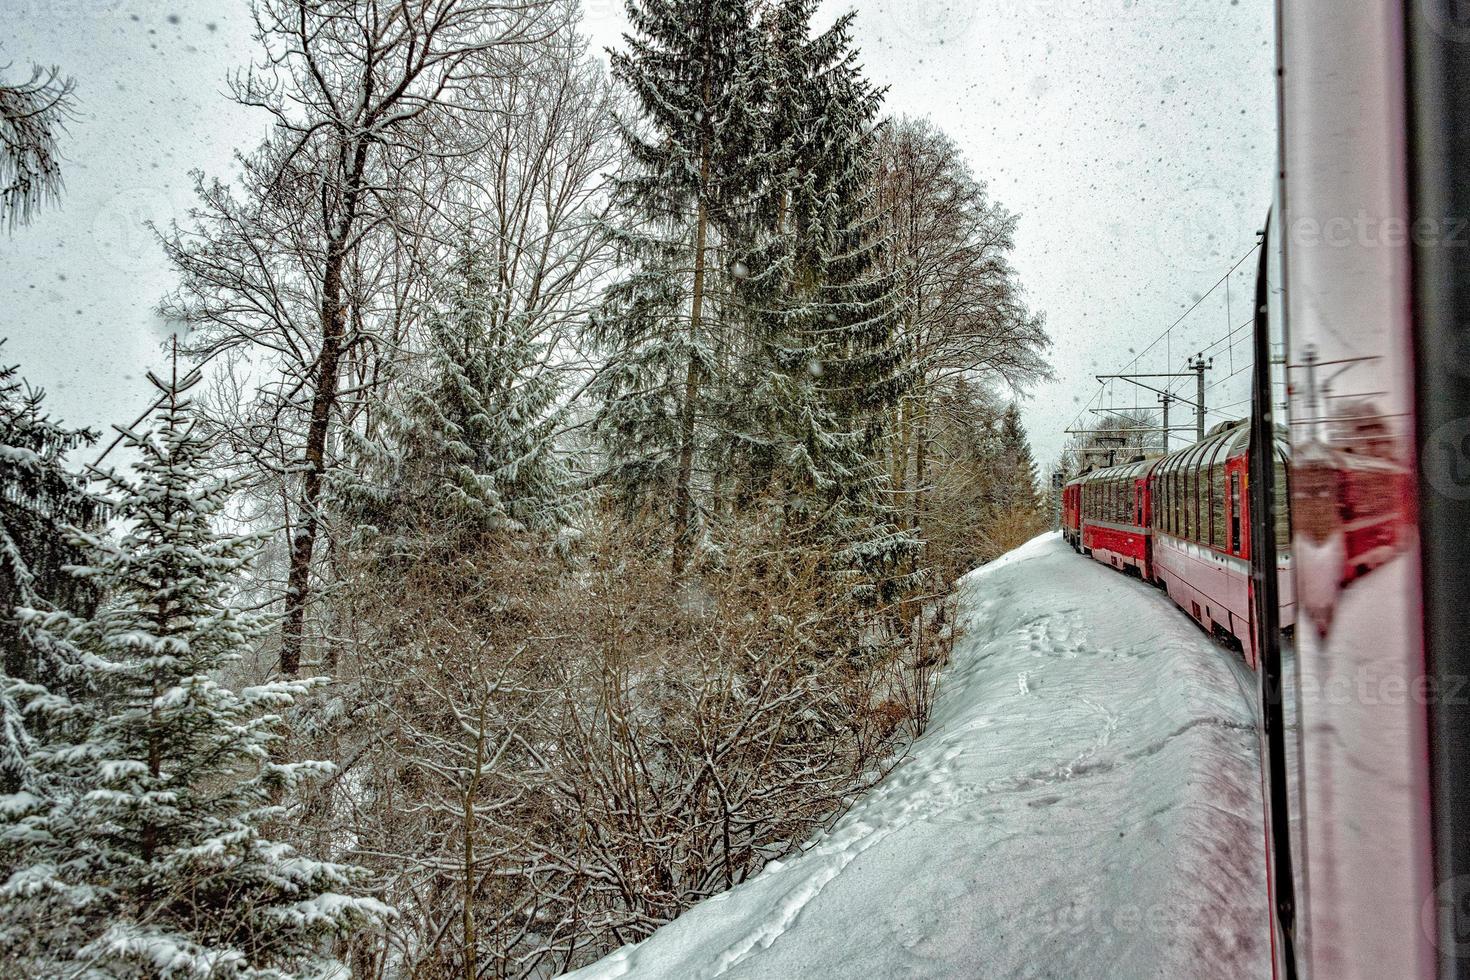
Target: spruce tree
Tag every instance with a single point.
(1016, 471)
(39, 499)
(141, 848)
(692, 162)
(468, 447)
(832, 365)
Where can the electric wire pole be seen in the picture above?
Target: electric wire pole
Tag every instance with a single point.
(1199, 366)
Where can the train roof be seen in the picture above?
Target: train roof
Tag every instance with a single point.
(1233, 437)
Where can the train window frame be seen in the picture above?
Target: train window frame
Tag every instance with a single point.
(1219, 494)
(1153, 493)
(1164, 496)
(1158, 497)
(1206, 516)
(1191, 495)
(1206, 458)
(1183, 487)
(1176, 495)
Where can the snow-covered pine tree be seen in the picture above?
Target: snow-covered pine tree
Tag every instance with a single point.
(832, 363)
(39, 499)
(468, 445)
(141, 849)
(1016, 472)
(693, 68)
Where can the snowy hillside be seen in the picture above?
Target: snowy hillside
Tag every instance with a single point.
(1085, 804)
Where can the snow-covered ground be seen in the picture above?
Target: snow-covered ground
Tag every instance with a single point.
(1085, 803)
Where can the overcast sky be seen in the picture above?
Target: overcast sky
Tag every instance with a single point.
(1134, 139)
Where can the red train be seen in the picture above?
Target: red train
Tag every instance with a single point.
(1363, 311)
(1182, 522)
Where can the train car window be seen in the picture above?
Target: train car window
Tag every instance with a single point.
(1186, 499)
(1217, 503)
(1202, 494)
(1176, 499)
(1183, 496)
(1191, 498)
(1202, 475)
(1161, 505)
(1161, 500)
(1235, 513)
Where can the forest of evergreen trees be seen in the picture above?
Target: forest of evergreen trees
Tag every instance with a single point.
(547, 513)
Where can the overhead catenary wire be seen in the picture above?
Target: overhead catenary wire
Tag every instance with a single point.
(1096, 401)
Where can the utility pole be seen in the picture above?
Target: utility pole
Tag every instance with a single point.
(1196, 370)
(1199, 366)
(1166, 400)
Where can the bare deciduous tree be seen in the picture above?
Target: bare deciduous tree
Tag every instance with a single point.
(966, 317)
(309, 265)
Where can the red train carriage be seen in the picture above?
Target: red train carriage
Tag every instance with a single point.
(1202, 537)
(1071, 514)
(1114, 520)
(1182, 522)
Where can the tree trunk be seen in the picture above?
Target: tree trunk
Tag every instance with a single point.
(920, 458)
(683, 494)
(323, 405)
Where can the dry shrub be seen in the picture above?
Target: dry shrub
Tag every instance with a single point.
(554, 760)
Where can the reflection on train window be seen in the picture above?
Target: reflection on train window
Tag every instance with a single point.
(1283, 508)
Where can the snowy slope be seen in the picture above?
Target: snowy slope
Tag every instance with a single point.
(1085, 804)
